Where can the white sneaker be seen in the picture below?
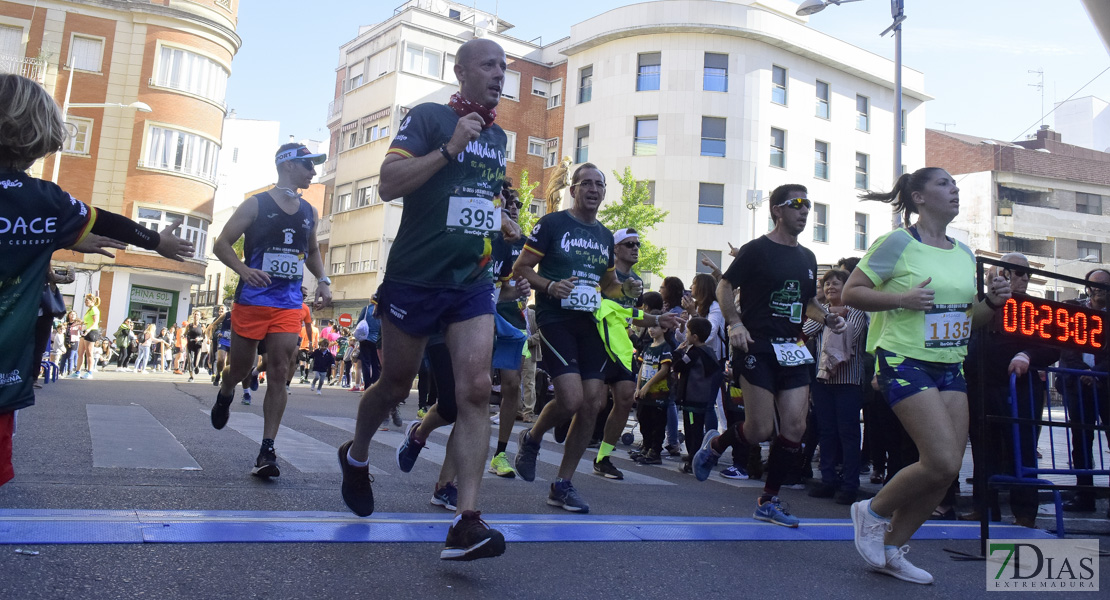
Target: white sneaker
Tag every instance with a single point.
(898, 566)
(869, 534)
(319, 393)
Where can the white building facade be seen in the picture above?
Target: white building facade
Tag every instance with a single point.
(713, 101)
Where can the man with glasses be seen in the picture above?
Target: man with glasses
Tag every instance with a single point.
(279, 228)
(1086, 405)
(777, 279)
(1002, 357)
(574, 255)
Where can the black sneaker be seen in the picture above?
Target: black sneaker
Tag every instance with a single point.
(651, 457)
(216, 379)
(266, 464)
(470, 538)
(605, 468)
(674, 450)
(526, 454)
(357, 493)
(221, 410)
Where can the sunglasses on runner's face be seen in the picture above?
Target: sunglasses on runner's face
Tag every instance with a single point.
(630, 244)
(308, 164)
(514, 204)
(795, 203)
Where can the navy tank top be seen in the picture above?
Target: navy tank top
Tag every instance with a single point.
(276, 243)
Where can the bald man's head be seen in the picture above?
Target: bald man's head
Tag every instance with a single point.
(1018, 276)
(480, 68)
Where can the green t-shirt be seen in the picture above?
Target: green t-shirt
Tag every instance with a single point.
(504, 256)
(568, 247)
(36, 218)
(91, 318)
(897, 262)
(444, 239)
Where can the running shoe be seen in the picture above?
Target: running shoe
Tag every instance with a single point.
(526, 454)
(221, 410)
(357, 492)
(870, 533)
(470, 538)
(734, 472)
(651, 457)
(254, 381)
(566, 497)
(446, 496)
(561, 431)
(706, 458)
(319, 393)
(674, 450)
(409, 449)
(87, 375)
(500, 466)
(772, 511)
(420, 412)
(266, 464)
(354, 388)
(396, 416)
(898, 566)
(216, 379)
(247, 397)
(605, 468)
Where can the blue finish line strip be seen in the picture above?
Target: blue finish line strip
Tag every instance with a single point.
(179, 527)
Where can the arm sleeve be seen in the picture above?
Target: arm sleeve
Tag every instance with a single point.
(119, 227)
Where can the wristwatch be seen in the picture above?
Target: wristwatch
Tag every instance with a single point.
(325, 280)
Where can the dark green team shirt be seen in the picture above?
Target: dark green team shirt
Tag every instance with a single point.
(444, 239)
(568, 247)
(36, 218)
(625, 301)
(504, 256)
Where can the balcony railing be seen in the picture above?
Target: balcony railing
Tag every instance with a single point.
(335, 110)
(31, 68)
(323, 228)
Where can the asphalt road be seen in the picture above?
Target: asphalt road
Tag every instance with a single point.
(70, 457)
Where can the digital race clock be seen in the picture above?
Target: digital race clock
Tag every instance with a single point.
(1055, 323)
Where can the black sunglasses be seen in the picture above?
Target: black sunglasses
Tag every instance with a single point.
(1018, 271)
(630, 244)
(308, 164)
(515, 203)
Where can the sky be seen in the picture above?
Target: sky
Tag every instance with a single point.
(976, 54)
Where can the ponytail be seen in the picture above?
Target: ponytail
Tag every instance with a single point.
(900, 198)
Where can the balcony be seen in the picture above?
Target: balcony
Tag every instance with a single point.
(323, 229)
(31, 68)
(1038, 223)
(327, 172)
(335, 110)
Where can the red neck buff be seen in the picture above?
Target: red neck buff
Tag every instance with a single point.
(463, 107)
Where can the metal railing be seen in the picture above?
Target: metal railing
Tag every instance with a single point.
(31, 68)
(335, 109)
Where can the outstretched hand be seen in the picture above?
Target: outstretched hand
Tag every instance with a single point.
(98, 244)
(172, 246)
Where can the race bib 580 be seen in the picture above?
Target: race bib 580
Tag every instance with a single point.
(790, 353)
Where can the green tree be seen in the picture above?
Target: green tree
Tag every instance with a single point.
(632, 210)
(526, 196)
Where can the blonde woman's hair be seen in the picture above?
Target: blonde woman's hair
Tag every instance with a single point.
(95, 299)
(31, 123)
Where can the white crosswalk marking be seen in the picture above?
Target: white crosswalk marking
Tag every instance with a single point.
(130, 437)
(306, 454)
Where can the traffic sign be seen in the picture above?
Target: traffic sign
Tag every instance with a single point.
(345, 320)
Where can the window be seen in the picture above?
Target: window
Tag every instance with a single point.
(383, 132)
(366, 195)
(715, 76)
(193, 229)
(646, 141)
(541, 87)
(861, 171)
(821, 159)
(713, 255)
(582, 145)
(1090, 249)
(556, 98)
(355, 74)
(449, 68)
(585, 84)
(454, 14)
(339, 259)
(79, 130)
(535, 146)
(822, 99)
(362, 257)
(711, 203)
(11, 41)
(352, 140)
(1012, 244)
(647, 74)
(86, 53)
(712, 136)
(423, 61)
(778, 85)
(381, 63)
(510, 88)
(820, 223)
(551, 157)
(342, 202)
(1090, 204)
(369, 133)
(552, 90)
(510, 146)
(863, 113)
(861, 231)
(189, 72)
(903, 131)
(181, 152)
(650, 200)
(778, 148)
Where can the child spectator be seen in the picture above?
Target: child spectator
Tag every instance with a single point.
(653, 394)
(58, 344)
(322, 360)
(698, 380)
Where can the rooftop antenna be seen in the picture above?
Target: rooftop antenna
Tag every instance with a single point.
(1040, 86)
(945, 125)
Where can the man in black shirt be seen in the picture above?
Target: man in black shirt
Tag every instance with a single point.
(777, 279)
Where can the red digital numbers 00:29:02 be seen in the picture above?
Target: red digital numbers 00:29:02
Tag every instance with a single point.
(1053, 322)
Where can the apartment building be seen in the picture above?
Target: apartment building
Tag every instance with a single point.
(1043, 197)
(142, 84)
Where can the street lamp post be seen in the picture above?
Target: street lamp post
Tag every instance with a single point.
(810, 7)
